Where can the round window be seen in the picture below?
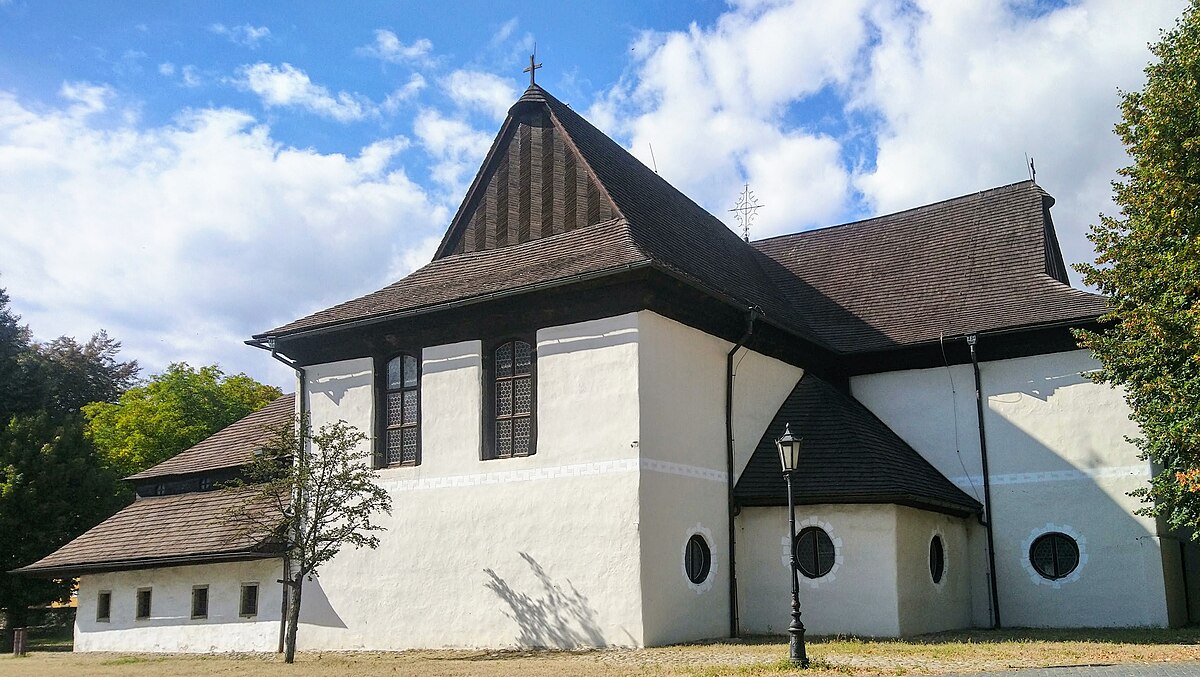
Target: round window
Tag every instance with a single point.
(937, 559)
(1054, 555)
(697, 559)
(814, 552)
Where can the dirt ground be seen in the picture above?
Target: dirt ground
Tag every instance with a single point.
(931, 654)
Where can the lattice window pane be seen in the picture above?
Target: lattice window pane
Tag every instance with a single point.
(410, 407)
(395, 376)
(504, 399)
(524, 357)
(410, 371)
(395, 409)
(522, 395)
(504, 360)
(1066, 556)
(409, 445)
(520, 443)
(503, 439)
(394, 444)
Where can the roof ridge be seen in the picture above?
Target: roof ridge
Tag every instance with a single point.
(932, 206)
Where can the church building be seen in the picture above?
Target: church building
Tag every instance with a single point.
(574, 408)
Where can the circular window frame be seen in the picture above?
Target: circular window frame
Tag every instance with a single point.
(937, 573)
(705, 535)
(1066, 530)
(785, 551)
(822, 568)
(697, 547)
(1056, 539)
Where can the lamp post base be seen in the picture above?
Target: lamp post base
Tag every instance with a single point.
(796, 651)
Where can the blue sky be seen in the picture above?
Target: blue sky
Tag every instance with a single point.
(187, 174)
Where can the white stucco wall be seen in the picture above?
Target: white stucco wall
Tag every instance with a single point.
(541, 550)
(858, 596)
(170, 627)
(1058, 461)
(683, 448)
(926, 606)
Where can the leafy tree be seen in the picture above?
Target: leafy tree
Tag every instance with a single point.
(321, 494)
(14, 343)
(172, 411)
(1148, 264)
(52, 488)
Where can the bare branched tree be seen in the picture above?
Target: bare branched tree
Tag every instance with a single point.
(318, 494)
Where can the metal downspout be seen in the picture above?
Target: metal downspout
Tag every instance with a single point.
(301, 400)
(987, 486)
(734, 621)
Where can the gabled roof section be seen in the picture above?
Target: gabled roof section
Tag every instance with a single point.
(164, 531)
(231, 447)
(982, 262)
(533, 183)
(849, 456)
(517, 228)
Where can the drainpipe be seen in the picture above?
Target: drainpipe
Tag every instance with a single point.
(302, 401)
(987, 485)
(734, 623)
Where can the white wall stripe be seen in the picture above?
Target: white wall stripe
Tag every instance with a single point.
(1056, 475)
(554, 472)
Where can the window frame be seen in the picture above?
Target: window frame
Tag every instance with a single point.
(937, 565)
(137, 604)
(1054, 537)
(489, 396)
(106, 595)
(196, 589)
(242, 599)
(816, 553)
(705, 550)
(381, 407)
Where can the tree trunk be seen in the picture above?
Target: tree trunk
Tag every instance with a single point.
(293, 622)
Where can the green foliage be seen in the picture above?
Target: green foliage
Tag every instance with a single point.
(321, 495)
(174, 410)
(1148, 264)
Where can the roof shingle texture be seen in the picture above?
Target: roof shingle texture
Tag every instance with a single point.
(231, 447)
(971, 264)
(849, 456)
(163, 529)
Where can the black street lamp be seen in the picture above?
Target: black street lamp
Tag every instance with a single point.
(789, 458)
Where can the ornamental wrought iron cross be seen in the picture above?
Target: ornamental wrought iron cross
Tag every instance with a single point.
(745, 209)
(532, 68)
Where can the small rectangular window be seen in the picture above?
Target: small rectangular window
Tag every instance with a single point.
(200, 601)
(143, 603)
(249, 604)
(103, 606)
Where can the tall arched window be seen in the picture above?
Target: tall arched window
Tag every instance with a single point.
(402, 412)
(511, 403)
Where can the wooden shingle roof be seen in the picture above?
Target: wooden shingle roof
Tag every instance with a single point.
(849, 456)
(981, 262)
(231, 447)
(162, 531)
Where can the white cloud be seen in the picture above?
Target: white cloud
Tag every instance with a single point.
(405, 93)
(191, 76)
(457, 148)
(286, 86)
(166, 69)
(505, 31)
(183, 240)
(389, 48)
(246, 35)
(481, 91)
(952, 95)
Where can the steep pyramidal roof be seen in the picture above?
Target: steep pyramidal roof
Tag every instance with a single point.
(556, 200)
(850, 456)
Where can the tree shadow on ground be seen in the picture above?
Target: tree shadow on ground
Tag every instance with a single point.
(560, 617)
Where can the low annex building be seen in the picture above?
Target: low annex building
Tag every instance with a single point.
(574, 408)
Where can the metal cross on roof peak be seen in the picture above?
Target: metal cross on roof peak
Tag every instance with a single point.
(532, 68)
(745, 209)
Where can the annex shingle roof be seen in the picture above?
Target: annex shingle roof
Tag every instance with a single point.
(980, 262)
(849, 456)
(163, 531)
(231, 447)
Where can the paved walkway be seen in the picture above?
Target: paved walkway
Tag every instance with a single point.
(1133, 670)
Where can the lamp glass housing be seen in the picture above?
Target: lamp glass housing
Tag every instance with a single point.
(789, 450)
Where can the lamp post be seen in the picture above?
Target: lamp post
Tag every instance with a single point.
(789, 458)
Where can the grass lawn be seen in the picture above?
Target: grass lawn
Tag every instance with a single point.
(929, 654)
